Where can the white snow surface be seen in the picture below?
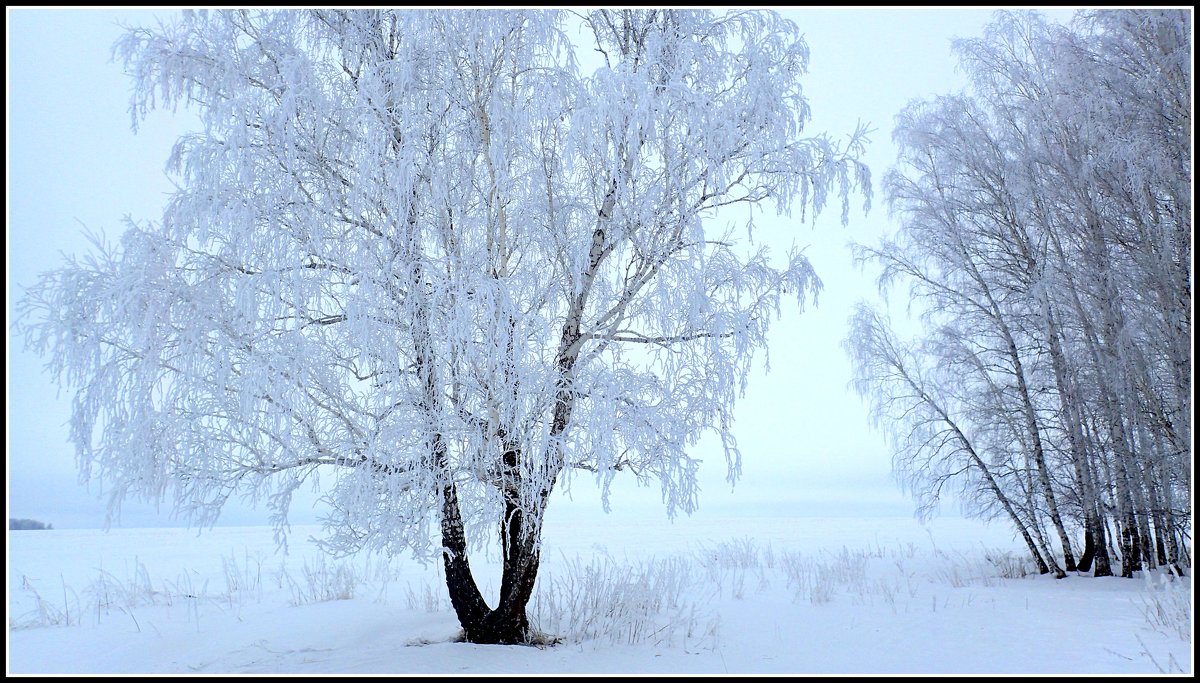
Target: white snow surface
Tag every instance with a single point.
(753, 595)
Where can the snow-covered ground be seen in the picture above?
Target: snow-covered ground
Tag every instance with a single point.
(624, 594)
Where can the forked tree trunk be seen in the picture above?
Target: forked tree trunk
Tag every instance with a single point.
(508, 623)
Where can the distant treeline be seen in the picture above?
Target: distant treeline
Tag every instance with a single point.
(27, 525)
(1044, 233)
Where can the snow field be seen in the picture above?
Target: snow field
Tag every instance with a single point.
(826, 601)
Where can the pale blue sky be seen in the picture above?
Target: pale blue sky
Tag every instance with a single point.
(808, 447)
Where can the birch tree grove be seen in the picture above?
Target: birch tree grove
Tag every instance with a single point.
(440, 262)
(1045, 236)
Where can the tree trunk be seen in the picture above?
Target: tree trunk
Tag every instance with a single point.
(1094, 527)
(520, 534)
(1131, 546)
(520, 531)
(1100, 536)
(1169, 526)
(468, 602)
(1089, 549)
(508, 623)
(1130, 552)
(1040, 539)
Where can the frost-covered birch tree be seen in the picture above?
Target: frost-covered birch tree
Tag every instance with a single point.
(440, 261)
